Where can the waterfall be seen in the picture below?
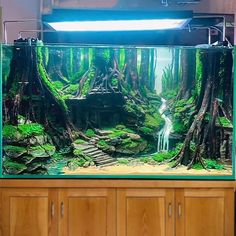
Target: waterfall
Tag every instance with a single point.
(164, 133)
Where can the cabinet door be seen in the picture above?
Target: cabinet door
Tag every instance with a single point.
(27, 212)
(205, 212)
(87, 212)
(148, 212)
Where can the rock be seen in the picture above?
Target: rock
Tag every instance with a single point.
(86, 164)
(131, 150)
(27, 159)
(42, 151)
(134, 136)
(38, 140)
(14, 151)
(108, 149)
(115, 141)
(14, 168)
(103, 132)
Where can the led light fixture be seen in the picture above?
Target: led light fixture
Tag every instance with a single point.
(96, 21)
(118, 25)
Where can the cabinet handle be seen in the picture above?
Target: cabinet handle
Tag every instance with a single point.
(52, 209)
(170, 209)
(62, 209)
(179, 209)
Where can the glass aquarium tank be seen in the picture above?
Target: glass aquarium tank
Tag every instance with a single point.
(77, 111)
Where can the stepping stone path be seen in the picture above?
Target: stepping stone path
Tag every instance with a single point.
(100, 158)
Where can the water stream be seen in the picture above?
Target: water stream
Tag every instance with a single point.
(164, 133)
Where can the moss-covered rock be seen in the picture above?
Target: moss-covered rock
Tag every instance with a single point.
(13, 168)
(46, 150)
(14, 151)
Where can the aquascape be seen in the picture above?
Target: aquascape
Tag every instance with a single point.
(102, 111)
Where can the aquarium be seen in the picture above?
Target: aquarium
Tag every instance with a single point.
(77, 111)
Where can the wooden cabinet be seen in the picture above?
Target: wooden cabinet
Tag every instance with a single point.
(145, 212)
(116, 210)
(25, 212)
(87, 212)
(201, 212)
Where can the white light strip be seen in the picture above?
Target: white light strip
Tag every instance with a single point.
(119, 25)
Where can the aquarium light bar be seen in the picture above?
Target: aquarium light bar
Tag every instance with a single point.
(119, 25)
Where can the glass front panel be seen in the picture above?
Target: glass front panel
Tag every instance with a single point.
(103, 111)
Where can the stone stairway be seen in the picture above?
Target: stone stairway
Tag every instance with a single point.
(100, 158)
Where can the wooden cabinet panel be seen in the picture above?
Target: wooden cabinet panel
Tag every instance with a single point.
(146, 212)
(25, 212)
(204, 212)
(87, 212)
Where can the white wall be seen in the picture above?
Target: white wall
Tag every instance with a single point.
(20, 10)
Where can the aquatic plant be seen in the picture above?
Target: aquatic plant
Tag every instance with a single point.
(89, 133)
(30, 129)
(146, 130)
(9, 131)
(123, 161)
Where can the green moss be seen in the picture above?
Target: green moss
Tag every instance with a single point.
(58, 85)
(169, 94)
(102, 143)
(179, 127)
(199, 71)
(120, 127)
(116, 134)
(154, 121)
(17, 149)
(47, 81)
(72, 88)
(78, 152)
(46, 147)
(79, 141)
(213, 164)
(14, 166)
(122, 161)
(145, 159)
(90, 133)
(31, 129)
(146, 130)
(129, 143)
(160, 157)
(9, 131)
(114, 82)
(198, 166)
(225, 122)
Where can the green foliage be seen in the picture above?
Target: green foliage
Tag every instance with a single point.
(213, 164)
(45, 147)
(58, 85)
(102, 143)
(153, 121)
(114, 82)
(90, 133)
(78, 152)
(179, 127)
(145, 159)
(162, 156)
(146, 130)
(225, 122)
(47, 81)
(72, 88)
(9, 131)
(17, 149)
(199, 70)
(120, 127)
(122, 58)
(116, 133)
(79, 141)
(11, 165)
(74, 163)
(123, 161)
(169, 94)
(197, 166)
(129, 143)
(31, 129)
